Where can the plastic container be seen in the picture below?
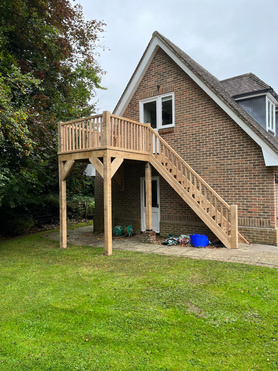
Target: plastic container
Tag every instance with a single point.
(199, 240)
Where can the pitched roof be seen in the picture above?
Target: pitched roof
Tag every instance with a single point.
(245, 85)
(210, 84)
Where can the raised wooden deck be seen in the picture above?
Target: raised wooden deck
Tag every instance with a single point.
(106, 140)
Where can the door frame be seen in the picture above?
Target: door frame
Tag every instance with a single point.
(154, 209)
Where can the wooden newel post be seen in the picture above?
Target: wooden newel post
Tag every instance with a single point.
(234, 227)
(148, 183)
(148, 139)
(60, 144)
(106, 129)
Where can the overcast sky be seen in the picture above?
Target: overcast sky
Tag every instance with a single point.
(226, 37)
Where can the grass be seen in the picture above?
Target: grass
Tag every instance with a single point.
(77, 309)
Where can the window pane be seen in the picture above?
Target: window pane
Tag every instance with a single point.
(154, 193)
(268, 115)
(272, 116)
(150, 113)
(167, 111)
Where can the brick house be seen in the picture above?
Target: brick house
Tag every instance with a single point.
(209, 124)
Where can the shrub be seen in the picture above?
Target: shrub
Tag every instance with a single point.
(19, 225)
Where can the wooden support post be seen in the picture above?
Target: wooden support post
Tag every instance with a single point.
(148, 183)
(107, 203)
(63, 207)
(234, 227)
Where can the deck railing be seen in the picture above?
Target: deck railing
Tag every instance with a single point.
(102, 131)
(110, 131)
(81, 134)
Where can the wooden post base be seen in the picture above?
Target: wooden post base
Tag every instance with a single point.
(148, 237)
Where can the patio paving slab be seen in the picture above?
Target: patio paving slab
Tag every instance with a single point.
(260, 255)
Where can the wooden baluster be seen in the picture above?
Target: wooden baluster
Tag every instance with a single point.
(179, 178)
(129, 137)
(216, 211)
(79, 134)
(95, 134)
(68, 138)
(134, 136)
(206, 199)
(137, 137)
(185, 182)
(227, 221)
(89, 133)
(76, 135)
(210, 203)
(83, 134)
(90, 145)
(122, 135)
(125, 135)
(100, 133)
(190, 183)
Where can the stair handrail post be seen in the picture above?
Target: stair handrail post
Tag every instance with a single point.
(106, 128)
(234, 227)
(148, 138)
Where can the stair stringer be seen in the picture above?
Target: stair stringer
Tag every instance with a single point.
(203, 215)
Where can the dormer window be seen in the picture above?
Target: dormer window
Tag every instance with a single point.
(270, 116)
(158, 111)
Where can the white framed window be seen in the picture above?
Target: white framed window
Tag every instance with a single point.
(159, 111)
(270, 116)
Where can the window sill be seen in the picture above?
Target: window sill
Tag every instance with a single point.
(166, 130)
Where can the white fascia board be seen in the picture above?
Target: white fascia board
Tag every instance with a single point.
(270, 157)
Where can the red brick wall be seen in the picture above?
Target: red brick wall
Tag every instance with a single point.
(213, 144)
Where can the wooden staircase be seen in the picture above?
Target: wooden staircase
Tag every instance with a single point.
(101, 138)
(203, 200)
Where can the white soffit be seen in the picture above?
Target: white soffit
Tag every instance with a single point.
(270, 157)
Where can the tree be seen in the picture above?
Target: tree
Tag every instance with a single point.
(48, 73)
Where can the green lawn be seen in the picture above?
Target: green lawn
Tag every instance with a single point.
(77, 309)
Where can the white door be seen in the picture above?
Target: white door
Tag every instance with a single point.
(148, 114)
(155, 204)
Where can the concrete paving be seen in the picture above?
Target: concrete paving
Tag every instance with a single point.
(261, 255)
